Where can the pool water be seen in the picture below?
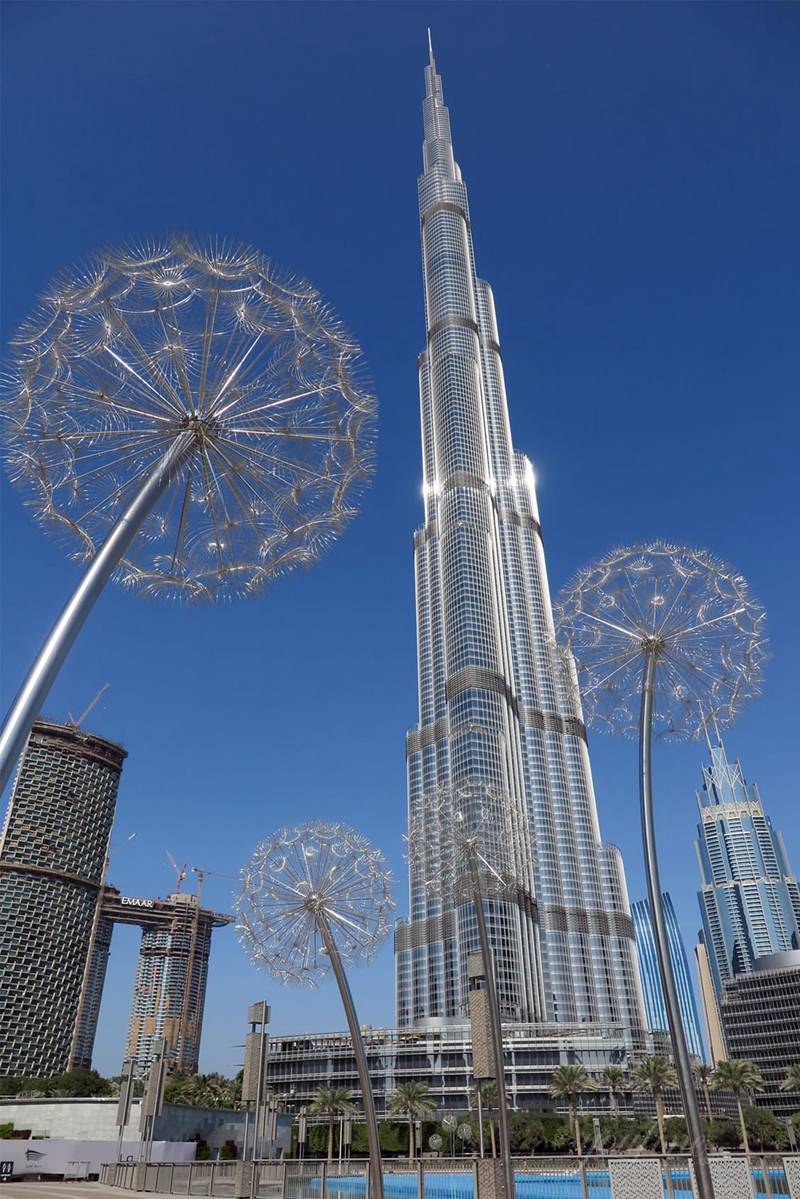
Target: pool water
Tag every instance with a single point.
(554, 1185)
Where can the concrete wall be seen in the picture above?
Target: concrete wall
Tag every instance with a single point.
(32, 1158)
(93, 1120)
(72, 1119)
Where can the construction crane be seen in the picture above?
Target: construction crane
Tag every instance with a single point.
(202, 872)
(179, 870)
(77, 723)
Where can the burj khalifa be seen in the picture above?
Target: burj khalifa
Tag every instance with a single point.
(497, 700)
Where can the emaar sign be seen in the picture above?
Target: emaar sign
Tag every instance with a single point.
(137, 903)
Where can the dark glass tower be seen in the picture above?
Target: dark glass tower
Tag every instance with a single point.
(53, 851)
(496, 703)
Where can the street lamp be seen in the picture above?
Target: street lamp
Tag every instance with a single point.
(190, 421)
(314, 898)
(668, 638)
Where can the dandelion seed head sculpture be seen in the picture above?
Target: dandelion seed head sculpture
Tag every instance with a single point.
(694, 612)
(210, 344)
(454, 824)
(299, 873)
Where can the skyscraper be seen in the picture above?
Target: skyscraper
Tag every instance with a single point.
(53, 851)
(496, 701)
(169, 989)
(749, 898)
(654, 1005)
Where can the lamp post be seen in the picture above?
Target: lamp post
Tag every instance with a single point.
(191, 420)
(312, 899)
(665, 637)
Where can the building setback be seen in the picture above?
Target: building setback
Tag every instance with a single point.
(53, 851)
(496, 702)
(761, 1018)
(654, 1005)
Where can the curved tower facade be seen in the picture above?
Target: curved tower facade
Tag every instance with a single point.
(497, 703)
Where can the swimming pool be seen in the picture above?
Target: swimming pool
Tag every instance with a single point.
(547, 1184)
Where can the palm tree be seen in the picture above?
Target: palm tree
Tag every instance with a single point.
(704, 1075)
(742, 1078)
(791, 1081)
(181, 1088)
(570, 1082)
(488, 1094)
(614, 1078)
(655, 1074)
(413, 1100)
(331, 1102)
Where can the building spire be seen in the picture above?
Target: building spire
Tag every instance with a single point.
(430, 48)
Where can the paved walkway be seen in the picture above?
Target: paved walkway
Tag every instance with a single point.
(66, 1190)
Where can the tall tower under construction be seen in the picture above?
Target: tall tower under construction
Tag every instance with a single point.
(497, 703)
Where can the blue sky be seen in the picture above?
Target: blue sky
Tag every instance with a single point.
(633, 173)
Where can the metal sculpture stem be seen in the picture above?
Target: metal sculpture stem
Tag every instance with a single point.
(705, 1188)
(50, 658)
(373, 1136)
(497, 1027)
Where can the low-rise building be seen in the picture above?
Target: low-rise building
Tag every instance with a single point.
(761, 1019)
(299, 1065)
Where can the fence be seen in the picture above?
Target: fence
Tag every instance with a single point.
(759, 1176)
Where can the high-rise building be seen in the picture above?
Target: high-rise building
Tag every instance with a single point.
(761, 1017)
(496, 701)
(708, 1001)
(53, 851)
(749, 898)
(654, 1005)
(169, 989)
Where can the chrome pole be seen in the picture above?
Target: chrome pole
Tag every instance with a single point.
(373, 1136)
(697, 1142)
(48, 662)
(497, 1028)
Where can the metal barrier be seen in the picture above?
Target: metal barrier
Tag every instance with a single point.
(759, 1176)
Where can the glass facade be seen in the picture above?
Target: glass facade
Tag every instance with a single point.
(654, 1006)
(749, 899)
(53, 849)
(761, 1014)
(497, 703)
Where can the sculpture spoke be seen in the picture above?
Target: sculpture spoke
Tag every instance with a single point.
(152, 343)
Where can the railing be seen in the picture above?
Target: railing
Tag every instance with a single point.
(759, 1176)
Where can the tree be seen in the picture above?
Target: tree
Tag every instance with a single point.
(202, 1090)
(614, 1078)
(764, 1127)
(570, 1082)
(704, 1075)
(411, 1099)
(656, 1074)
(182, 1089)
(791, 1081)
(488, 1094)
(742, 1078)
(331, 1102)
